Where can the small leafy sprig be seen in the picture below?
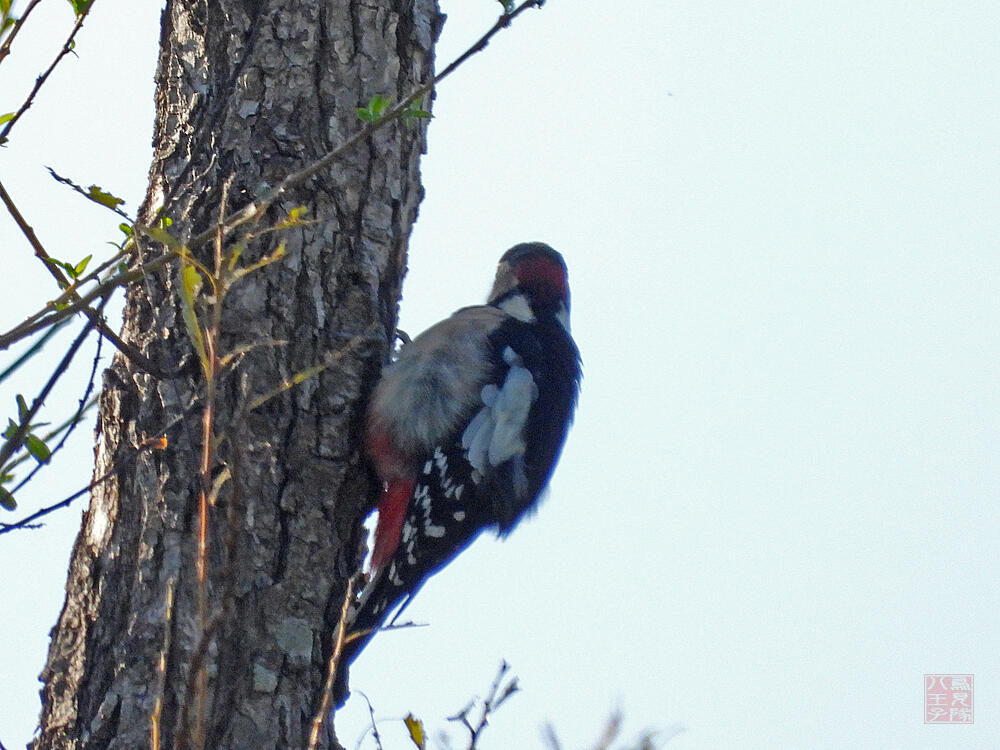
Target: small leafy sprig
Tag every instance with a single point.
(378, 105)
(73, 271)
(36, 446)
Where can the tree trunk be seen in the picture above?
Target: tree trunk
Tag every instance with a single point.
(247, 92)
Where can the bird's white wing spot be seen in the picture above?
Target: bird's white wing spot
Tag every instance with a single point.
(476, 439)
(496, 433)
(489, 393)
(510, 412)
(394, 579)
(407, 532)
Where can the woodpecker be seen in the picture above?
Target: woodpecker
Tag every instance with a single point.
(465, 428)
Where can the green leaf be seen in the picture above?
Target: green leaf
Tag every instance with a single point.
(190, 286)
(162, 235)
(22, 407)
(7, 500)
(7, 117)
(80, 6)
(376, 106)
(105, 199)
(414, 113)
(38, 449)
(126, 229)
(192, 282)
(80, 267)
(11, 429)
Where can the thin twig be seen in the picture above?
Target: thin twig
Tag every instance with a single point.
(331, 669)
(123, 346)
(374, 727)
(46, 316)
(55, 431)
(154, 443)
(73, 421)
(330, 359)
(258, 207)
(196, 669)
(5, 47)
(87, 194)
(211, 367)
(32, 350)
(549, 735)
(60, 309)
(493, 701)
(161, 666)
(29, 233)
(612, 729)
(197, 666)
(17, 438)
(40, 81)
(29, 521)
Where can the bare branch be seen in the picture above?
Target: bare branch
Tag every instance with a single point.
(498, 694)
(374, 727)
(549, 735)
(611, 730)
(32, 238)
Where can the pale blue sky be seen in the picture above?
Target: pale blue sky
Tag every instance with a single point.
(778, 508)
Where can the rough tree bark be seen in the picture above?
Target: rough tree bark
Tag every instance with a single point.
(247, 92)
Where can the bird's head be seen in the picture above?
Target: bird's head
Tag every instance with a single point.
(532, 282)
